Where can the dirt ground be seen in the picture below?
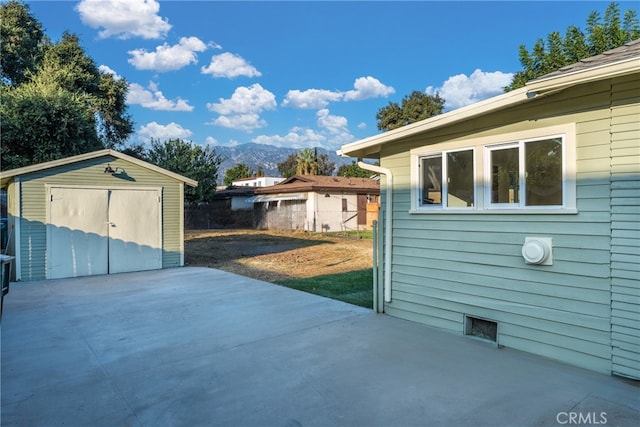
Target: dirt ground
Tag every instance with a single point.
(276, 255)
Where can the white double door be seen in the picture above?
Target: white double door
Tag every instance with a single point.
(100, 231)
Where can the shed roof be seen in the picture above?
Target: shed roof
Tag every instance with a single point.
(320, 183)
(6, 176)
(614, 63)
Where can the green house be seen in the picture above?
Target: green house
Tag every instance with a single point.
(97, 213)
(516, 220)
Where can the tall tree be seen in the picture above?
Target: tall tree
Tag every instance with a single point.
(57, 103)
(556, 51)
(239, 171)
(190, 160)
(289, 166)
(414, 107)
(307, 162)
(22, 41)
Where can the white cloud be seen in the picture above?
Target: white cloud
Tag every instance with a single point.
(295, 138)
(230, 65)
(124, 18)
(168, 58)
(212, 141)
(368, 87)
(364, 88)
(107, 70)
(252, 99)
(311, 98)
(333, 124)
(461, 90)
(245, 122)
(332, 133)
(362, 125)
(336, 128)
(154, 99)
(163, 132)
(242, 110)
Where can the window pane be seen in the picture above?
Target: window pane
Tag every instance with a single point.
(543, 166)
(432, 181)
(460, 178)
(505, 179)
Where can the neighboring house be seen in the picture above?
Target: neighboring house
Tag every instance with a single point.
(259, 181)
(96, 213)
(317, 203)
(516, 219)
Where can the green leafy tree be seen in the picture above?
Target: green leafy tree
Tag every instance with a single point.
(289, 166)
(190, 160)
(547, 56)
(414, 107)
(22, 39)
(239, 171)
(354, 171)
(56, 103)
(44, 123)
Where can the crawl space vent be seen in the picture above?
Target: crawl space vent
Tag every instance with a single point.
(481, 328)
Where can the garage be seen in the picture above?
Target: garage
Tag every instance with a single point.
(97, 213)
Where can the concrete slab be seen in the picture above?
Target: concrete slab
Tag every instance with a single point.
(201, 347)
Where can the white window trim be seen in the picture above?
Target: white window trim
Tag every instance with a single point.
(481, 147)
(445, 183)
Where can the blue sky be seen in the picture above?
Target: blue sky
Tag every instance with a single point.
(298, 73)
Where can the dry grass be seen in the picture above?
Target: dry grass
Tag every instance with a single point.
(275, 256)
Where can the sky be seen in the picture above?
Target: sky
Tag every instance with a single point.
(300, 74)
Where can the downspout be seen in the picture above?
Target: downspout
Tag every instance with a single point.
(387, 226)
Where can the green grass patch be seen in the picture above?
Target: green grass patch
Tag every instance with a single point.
(354, 287)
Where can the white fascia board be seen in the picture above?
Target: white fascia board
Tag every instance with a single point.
(492, 104)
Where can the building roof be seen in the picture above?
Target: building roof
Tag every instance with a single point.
(628, 51)
(322, 183)
(6, 176)
(614, 63)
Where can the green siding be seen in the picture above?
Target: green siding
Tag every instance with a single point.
(625, 229)
(446, 266)
(33, 245)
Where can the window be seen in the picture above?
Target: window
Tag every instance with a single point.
(529, 171)
(526, 173)
(447, 179)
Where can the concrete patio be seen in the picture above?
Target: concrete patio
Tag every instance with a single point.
(202, 347)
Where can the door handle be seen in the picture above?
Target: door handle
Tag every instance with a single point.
(112, 224)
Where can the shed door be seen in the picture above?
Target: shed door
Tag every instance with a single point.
(134, 230)
(77, 233)
(100, 231)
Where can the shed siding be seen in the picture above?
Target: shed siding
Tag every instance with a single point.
(625, 230)
(446, 266)
(90, 173)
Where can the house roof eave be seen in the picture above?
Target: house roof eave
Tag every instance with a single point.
(370, 147)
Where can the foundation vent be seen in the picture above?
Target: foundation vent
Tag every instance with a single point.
(481, 328)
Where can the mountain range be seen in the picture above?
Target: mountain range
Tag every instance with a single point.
(265, 156)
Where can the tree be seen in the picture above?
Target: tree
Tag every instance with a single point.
(354, 171)
(55, 102)
(22, 39)
(289, 166)
(415, 107)
(307, 162)
(239, 171)
(556, 52)
(190, 160)
(43, 123)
